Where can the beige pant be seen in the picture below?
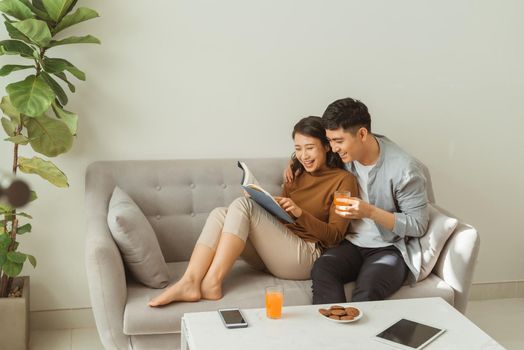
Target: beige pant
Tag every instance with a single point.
(268, 242)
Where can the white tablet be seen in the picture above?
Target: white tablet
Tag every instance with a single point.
(406, 334)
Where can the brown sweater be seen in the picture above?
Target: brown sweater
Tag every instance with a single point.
(313, 193)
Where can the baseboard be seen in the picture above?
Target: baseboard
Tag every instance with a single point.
(496, 290)
(62, 319)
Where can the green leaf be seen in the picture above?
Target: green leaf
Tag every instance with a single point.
(69, 118)
(38, 4)
(36, 30)
(15, 8)
(16, 257)
(9, 110)
(62, 76)
(49, 136)
(39, 12)
(32, 260)
(12, 269)
(57, 8)
(25, 215)
(9, 127)
(9, 68)
(23, 229)
(15, 33)
(16, 47)
(5, 240)
(31, 96)
(45, 169)
(32, 196)
(60, 93)
(18, 139)
(57, 65)
(80, 15)
(88, 39)
(5, 208)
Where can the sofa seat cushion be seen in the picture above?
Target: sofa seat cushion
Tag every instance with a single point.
(244, 287)
(430, 287)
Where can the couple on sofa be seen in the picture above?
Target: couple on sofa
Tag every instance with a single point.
(388, 212)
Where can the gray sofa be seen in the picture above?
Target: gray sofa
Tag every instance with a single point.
(176, 197)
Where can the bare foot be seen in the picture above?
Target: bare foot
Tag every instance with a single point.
(211, 289)
(180, 291)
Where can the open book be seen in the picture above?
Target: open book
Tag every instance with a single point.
(262, 197)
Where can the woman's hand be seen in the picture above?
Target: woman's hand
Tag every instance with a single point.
(288, 205)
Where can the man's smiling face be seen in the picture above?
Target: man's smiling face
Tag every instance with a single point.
(348, 146)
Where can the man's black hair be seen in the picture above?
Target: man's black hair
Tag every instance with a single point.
(348, 114)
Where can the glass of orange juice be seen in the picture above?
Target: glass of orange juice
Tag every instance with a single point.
(274, 301)
(342, 199)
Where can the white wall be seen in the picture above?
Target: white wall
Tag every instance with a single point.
(210, 79)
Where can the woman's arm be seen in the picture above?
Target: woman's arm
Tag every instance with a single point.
(332, 232)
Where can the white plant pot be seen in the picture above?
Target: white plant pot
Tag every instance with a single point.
(14, 318)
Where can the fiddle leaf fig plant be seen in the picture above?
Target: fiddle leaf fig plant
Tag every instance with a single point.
(34, 109)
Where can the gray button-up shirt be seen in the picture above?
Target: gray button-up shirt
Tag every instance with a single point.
(397, 184)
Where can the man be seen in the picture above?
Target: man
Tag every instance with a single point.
(382, 247)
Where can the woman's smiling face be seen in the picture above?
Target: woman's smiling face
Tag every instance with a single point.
(310, 152)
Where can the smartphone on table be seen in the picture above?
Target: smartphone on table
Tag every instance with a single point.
(232, 318)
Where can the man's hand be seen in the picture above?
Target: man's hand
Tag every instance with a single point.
(359, 209)
(356, 209)
(288, 205)
(288, 173)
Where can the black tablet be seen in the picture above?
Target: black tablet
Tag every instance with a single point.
(406, 334)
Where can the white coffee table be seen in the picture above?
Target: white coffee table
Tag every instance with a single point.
(302, 327)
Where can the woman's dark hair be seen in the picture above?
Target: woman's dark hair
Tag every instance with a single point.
(312, 127)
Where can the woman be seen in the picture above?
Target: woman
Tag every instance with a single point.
(286, 250)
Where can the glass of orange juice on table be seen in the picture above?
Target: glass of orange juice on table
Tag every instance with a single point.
(341, 199)
(274, 301)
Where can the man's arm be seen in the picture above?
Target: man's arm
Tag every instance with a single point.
(412, 199)
(413, 216)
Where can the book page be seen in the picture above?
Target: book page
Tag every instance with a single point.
(261, 196)
(248, 178)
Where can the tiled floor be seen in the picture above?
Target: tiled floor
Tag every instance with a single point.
(502, 319)
(65, 339)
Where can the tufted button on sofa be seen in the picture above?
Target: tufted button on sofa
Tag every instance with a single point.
(176, 196)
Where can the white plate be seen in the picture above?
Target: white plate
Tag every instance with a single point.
(345, 321)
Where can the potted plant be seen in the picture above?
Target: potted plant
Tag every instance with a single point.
(34, 114)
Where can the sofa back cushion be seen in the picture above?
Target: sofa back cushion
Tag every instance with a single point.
(176, 196)
(136, 240)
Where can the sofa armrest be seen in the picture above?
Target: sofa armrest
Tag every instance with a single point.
(457, 262)
(107, 283)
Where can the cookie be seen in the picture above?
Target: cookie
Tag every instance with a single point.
(337, 307)
(334, 317)
(347, 318)
(338, 312)
(324, 312)
(351, 311)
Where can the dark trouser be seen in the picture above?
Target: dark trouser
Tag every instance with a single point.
(378, 272)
